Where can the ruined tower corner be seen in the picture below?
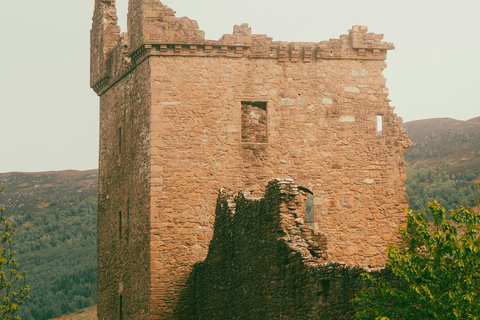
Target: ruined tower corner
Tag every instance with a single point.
(362, 39)
(151, 22)
(103, 36)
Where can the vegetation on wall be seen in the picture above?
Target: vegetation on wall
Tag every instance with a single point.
(57, 245)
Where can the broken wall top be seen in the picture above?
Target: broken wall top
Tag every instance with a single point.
(277, 216)
(153, 29)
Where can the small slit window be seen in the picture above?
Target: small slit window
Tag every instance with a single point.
(120, 224)
(120, 140)
(326, 290)
(120, 307)
(127, 231)
(254, 121)
(379, 124)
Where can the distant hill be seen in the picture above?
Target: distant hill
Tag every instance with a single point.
(56, 217)
(443, 162)
(449, 144)
(29, 192)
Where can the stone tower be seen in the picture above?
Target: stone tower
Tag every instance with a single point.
(182, 117)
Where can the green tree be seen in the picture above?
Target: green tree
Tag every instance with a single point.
(13, 290)
(425, 184)
(435, 271)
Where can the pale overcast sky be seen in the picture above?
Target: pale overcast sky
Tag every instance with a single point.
(49, 115)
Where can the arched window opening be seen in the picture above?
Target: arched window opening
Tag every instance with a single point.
(308, 205)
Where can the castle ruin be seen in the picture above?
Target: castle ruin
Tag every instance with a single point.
(182, 117)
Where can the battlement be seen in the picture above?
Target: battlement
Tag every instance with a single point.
(154, 30)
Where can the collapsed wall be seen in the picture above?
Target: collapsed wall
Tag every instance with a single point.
(265, 262)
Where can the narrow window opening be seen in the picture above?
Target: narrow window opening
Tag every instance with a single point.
(254, 121)
(127, 235)
(120, 140)
(120, 224)
(120, 307)
(309, 209)
(379, 124)
(309, 216)
(326, 290)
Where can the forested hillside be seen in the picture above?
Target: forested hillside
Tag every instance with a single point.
(425, 184)
(443, 162)
(55, 239)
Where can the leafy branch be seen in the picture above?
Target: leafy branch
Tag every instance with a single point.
(13, 288)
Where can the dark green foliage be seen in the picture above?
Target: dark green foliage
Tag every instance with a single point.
(57, 245)
(437, 270)
(425, 184)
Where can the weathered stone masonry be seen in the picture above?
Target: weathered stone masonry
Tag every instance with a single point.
(182, 117)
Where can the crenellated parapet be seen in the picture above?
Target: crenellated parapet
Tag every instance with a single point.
(154, 30)
(358, 43)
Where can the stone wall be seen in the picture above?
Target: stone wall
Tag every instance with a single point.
(124, 199)
(182, 117)
(265, 262)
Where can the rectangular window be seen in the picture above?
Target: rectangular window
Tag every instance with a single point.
(379, 124)
(254, 121)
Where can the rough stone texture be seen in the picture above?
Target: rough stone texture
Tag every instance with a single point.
(265, 262)
(171, 136)
(124, 184)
